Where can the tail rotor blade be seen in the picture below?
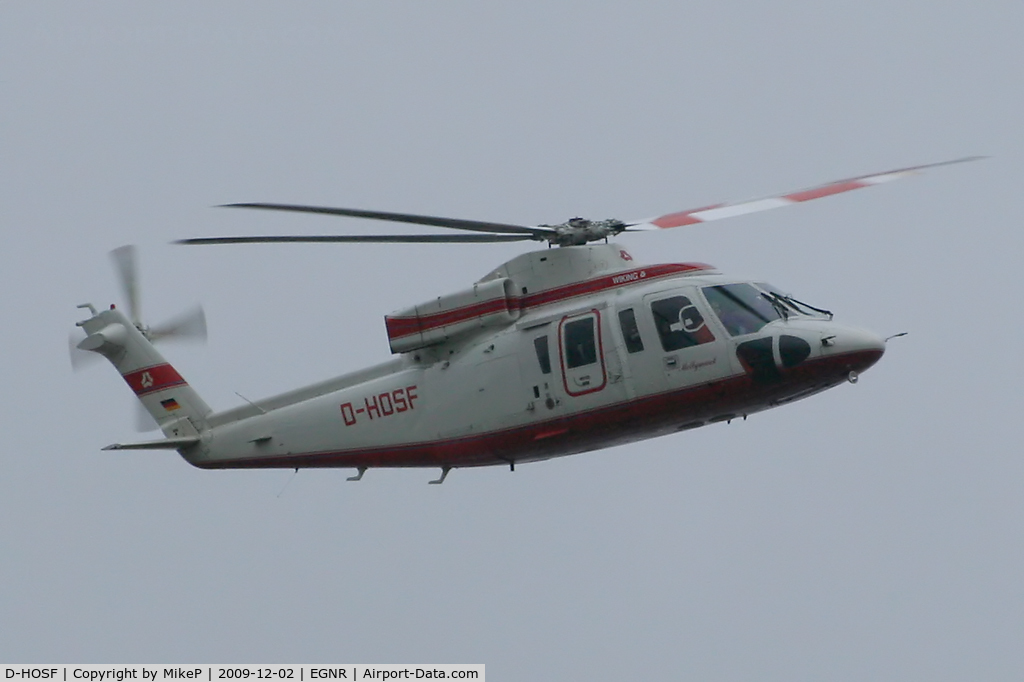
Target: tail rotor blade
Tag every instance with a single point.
(127, 271)
(189, 326)
(80, 359)
(144, 421)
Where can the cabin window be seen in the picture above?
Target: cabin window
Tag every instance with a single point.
(540, 344)
(741, 308)
(580, 343)
(630, 332)
(679, 323)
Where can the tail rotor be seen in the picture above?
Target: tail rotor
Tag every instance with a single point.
(188, 326)
(125, 265)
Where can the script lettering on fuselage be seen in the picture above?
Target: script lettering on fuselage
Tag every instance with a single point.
(695, 365)
(381, 405)
(629, 277)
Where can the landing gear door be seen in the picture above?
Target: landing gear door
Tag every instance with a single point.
(581, 354)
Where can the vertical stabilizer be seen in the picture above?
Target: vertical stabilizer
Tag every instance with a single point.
(176, 407)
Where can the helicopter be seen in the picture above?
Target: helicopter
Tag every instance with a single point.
(556, 352)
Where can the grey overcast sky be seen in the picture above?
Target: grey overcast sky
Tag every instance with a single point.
(873, 532)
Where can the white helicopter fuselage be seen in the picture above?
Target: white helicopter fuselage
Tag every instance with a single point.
(556, 352)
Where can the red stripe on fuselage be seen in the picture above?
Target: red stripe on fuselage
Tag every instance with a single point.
(602, 427)
(152, 379)
(404, 326)
(398, 327)
(613, 281)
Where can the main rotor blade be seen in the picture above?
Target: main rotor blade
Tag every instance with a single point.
(127, 271)
(728, 210)
(386, 238)
(456, 223)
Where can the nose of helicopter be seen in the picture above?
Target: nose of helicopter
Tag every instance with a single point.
(858, 349)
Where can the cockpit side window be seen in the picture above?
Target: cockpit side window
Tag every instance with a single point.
(630, 332)
(679, 323)
(741, 308)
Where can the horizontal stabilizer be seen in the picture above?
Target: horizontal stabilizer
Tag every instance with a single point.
(165, 444)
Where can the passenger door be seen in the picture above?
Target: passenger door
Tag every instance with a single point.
(581, 354)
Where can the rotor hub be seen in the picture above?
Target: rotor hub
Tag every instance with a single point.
(580, 231)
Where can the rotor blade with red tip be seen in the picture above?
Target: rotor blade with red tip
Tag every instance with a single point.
(729, 210)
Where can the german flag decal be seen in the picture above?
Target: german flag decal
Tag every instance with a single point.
(170, 404)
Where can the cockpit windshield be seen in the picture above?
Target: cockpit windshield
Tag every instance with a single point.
(746, 308)
(742, 308)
